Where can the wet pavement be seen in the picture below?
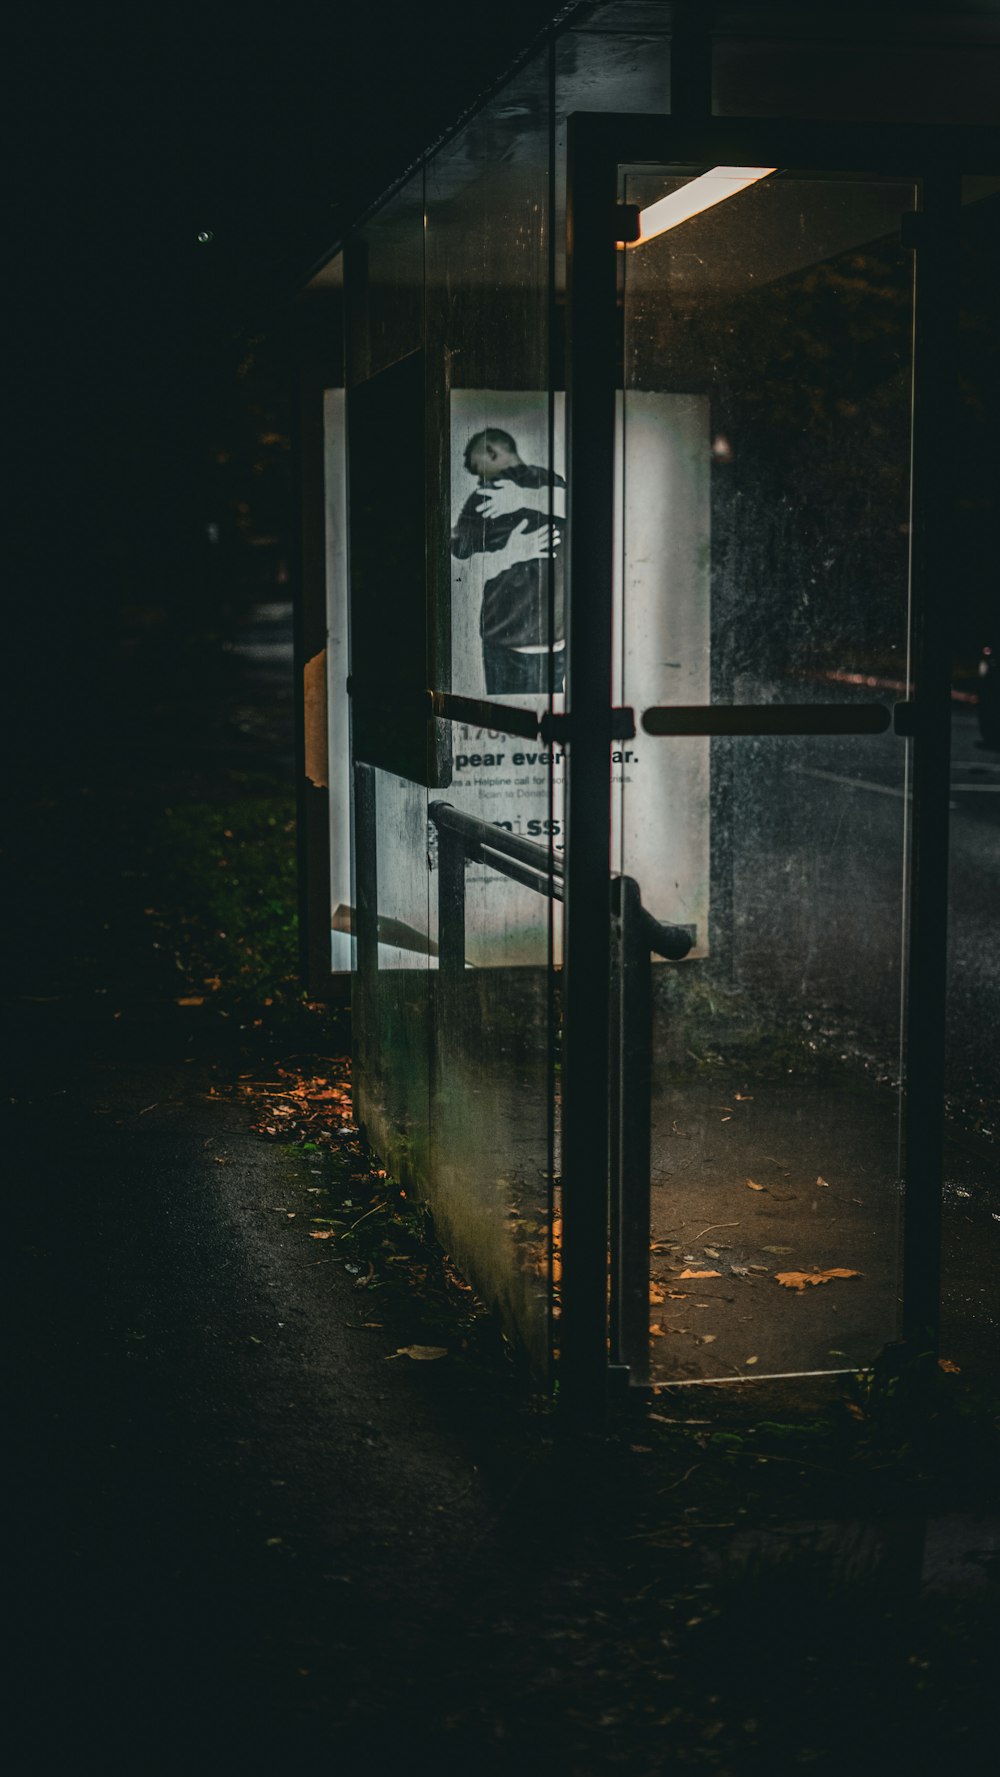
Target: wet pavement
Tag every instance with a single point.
(755, 1179)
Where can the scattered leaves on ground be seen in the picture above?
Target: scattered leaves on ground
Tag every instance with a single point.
(799, 1280)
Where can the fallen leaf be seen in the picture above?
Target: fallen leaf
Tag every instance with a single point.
(751, 1360)
(641, 1449)
(798, 1280)
(655, 1332)
(824, 1182)
(422, 1353)
(739, 1270)
(751, 1186)
(656, 1294)
(191, 999)
(953, 1369)
(776, 1249)
(705, 1339)
(701, 1273)
(321, 1234)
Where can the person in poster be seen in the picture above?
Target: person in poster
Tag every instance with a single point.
(516, 517)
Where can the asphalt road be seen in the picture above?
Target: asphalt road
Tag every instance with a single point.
(239, 1538)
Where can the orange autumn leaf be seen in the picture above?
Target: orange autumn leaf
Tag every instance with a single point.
(752, 1187)
(798, 1280)
(321, 1234)
(950, 1367)
(701, 1273)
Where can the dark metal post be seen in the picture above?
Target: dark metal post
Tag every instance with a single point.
(615, 1123)
(936, 233)
(591, 380)
(451, 901)
(635, 1096)
(364, 981)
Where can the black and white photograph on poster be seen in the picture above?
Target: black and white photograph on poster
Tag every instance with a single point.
(508, 507)
(507, 543)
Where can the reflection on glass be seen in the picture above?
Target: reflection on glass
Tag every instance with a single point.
(456, 999)
(773, 332)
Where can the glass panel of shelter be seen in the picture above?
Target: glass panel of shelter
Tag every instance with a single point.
(389, 906)
(456, 518)
(494, 828)
(763, 507)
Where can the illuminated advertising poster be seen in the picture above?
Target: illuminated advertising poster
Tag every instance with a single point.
(508, 568)
(508, 504)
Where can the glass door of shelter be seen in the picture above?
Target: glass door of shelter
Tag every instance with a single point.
(755, 468)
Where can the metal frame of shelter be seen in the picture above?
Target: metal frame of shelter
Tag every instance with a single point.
(938, 158)
(604, 1317)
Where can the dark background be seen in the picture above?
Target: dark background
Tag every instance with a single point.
(173, 175)
(151, 397)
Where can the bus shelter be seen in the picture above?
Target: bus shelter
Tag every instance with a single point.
(630, 444)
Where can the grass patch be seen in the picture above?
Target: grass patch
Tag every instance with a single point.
(226, 892)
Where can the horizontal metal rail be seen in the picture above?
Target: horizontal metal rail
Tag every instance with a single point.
(416, 701)
(768, 718)
(510, 845)
(532, 865)
(497, 718)
(553, 886)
